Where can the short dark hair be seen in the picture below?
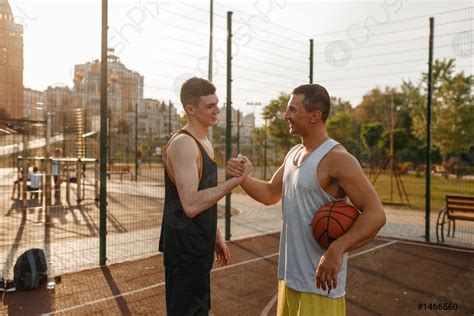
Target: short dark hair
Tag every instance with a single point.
(194, 88)
(316, 97)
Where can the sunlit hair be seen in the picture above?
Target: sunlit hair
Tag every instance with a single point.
(316, 97)
(194, 88)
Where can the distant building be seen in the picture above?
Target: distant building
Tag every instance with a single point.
(247, 123)
(150, 122)
(170, 119)
(11, 62)
(124, 93)
(33, 104)
(58, 101)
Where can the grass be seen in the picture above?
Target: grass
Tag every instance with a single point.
(414, 186)
(415, 189)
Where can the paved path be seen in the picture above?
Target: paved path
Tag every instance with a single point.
(253, 219)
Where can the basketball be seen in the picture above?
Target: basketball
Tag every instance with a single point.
(332, 220)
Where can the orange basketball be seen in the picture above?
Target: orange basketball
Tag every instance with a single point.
(332, 220)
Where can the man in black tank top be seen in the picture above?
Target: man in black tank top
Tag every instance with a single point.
(189, 233)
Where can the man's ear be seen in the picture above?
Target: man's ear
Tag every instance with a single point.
(315, 116)
(189, 109)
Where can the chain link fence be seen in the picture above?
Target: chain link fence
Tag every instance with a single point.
(376, 74)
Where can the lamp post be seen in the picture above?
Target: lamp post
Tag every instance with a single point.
(238, 131)
(254, 104)
(136, 142)
(170, 130)
(265, 152)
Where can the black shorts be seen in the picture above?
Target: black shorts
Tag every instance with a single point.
(187, 293)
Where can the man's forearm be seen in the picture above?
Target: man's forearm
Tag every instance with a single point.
(364, 230)
(201, 200)
(218, 235)
(259, 190)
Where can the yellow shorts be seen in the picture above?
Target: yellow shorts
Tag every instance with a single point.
(294, 303)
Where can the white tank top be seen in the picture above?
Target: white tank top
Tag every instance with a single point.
(302, 196)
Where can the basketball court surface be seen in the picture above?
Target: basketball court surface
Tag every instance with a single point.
(386, 277)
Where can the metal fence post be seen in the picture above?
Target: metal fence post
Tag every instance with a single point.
(228, 138)
(428, 133)
(103, 138)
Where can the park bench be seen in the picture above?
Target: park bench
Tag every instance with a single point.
(458, 207)
(120, 170)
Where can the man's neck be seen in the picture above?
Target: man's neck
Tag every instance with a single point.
(314, 139)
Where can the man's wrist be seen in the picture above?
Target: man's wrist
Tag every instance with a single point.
(233, 182)
(219, 239)
(338, 246)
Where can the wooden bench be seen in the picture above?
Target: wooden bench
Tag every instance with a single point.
(458, 207)
(120, 170)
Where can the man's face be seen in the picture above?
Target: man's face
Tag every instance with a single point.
(296, 115)
(206, 111)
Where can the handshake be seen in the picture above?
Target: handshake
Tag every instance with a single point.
(239, 167)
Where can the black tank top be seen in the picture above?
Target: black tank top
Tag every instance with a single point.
(188, 243)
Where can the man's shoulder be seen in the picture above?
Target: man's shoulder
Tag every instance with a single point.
(180, 140)
(338, 151)
(182, 144)
(339, 159)
(293, 149)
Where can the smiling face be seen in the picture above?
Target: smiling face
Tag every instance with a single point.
(206, 111)
(299, 120)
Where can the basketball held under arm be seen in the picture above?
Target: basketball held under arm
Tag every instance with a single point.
(349, 175)
(346, 171)
(183, 165)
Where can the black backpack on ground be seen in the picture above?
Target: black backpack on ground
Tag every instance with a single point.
(30, 269)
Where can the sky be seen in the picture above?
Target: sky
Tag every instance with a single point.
(358, 45)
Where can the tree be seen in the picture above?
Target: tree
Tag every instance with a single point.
(371, 135)
(345, 130)
(375, 107)
(218, 141)
(258, 140)
(183, 119)
(400, 137)
(277, 125)
(452, 108)
(340, 106)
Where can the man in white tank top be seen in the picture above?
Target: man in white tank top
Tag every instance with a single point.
(319, 170)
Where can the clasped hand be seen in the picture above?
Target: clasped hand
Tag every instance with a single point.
(238, 167)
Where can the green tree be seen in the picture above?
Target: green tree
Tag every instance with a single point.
(258, 140)
(391, 106)
(375, 107)
(183, 119)
(400, 136)
(342, 127)
(277, 126)
(383, 106)
(371, 135)
(452, 108)
(340, 106)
